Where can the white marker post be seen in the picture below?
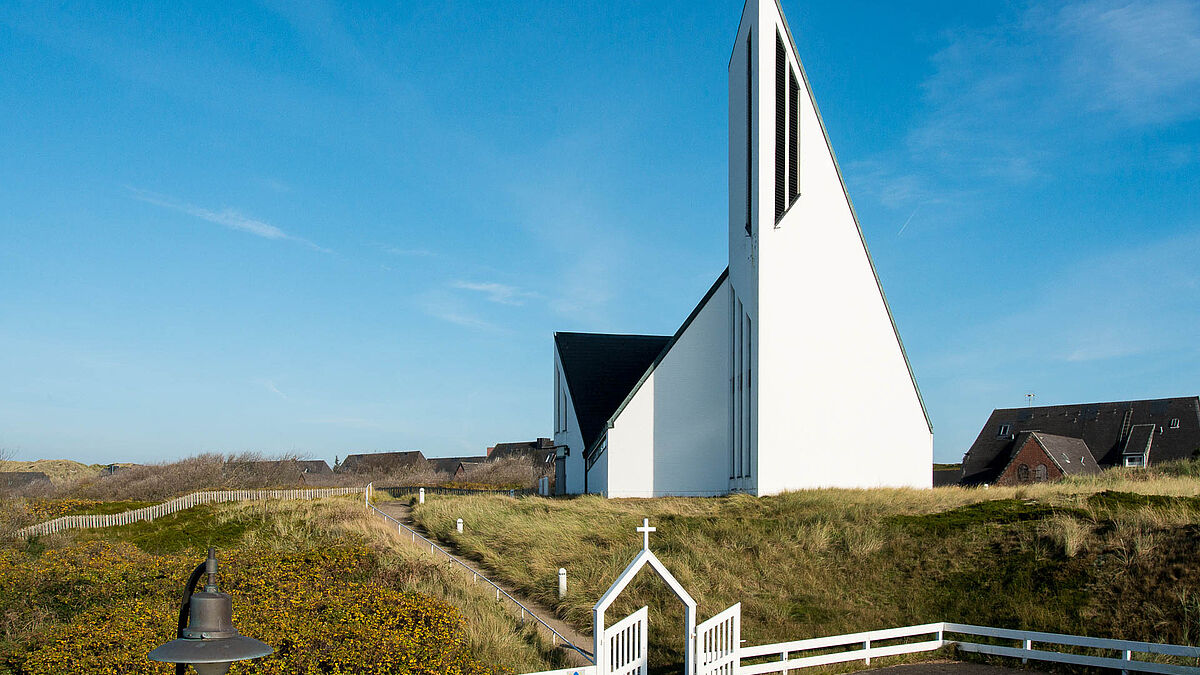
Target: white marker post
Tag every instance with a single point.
(421, 496)
(562, 583)
(460, 525)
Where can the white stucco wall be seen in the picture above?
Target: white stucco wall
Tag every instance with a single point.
(837, 406)
(672, 436)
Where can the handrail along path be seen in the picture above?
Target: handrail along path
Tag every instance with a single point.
(434, 548)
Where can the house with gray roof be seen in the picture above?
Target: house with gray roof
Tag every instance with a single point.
(1084, 435)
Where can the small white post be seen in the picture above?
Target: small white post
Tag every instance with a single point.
(459, 525)
(1028, 644)
(867, 646)
(421, 496)
(784, 657)
(1127, 656)
(562, 582)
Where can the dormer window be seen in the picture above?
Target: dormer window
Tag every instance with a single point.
(1174, 423)
(1005, 429)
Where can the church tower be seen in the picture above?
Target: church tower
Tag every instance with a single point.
(821, 392)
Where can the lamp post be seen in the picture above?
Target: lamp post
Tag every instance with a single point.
(206, 637)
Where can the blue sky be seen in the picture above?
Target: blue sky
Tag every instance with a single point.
(315, 228)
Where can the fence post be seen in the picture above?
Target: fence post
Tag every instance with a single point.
(1027, 644)
(783, 657)
(459, 525)
(867, 646)
(421, 496)
(1126, 656)
(562, 583)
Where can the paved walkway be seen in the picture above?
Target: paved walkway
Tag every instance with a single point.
(401, 511)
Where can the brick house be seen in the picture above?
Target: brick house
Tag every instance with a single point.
(1044, 457)
(1120, 433)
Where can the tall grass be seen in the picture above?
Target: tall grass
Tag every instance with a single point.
(1080, 556)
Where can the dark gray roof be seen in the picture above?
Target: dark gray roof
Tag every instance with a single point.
(1102, 426)
(450, 464)
(540, 451)
(601, 369)
(1141, 438)
(20, 479)
(944, 477)
(383, 461)
(1070, 454)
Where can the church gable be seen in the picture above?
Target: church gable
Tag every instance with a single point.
(600, 370)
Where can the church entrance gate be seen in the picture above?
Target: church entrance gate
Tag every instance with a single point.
(625, 645)
(718, 641)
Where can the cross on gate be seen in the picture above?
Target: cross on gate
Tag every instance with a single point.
(645, 529)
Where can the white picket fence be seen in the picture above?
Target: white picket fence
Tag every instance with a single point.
(800, 654)
(149, 513)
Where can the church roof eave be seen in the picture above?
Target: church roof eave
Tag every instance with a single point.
(659, 359)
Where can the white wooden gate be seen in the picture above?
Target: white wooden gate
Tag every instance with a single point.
(625, 646)
(718, 641)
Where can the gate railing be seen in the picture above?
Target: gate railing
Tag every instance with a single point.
(166, 508)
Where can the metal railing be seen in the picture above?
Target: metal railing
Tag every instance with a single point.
(476, 576)
(149, 513)
(791, 657)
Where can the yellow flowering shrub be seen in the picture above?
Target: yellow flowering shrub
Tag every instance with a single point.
(330, 610)
(46, 509)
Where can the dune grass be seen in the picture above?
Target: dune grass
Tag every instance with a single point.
(1111, 555)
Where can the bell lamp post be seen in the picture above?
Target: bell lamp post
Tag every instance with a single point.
(206, 638)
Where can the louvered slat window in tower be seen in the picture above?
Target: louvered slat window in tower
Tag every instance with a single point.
(780, 124)
(793, 138)
(749, 131)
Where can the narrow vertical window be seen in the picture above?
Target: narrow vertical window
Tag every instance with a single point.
(749, 132)
(780, 124)
(793, 138)
(732, 384)
(748, 465)
(557, 400)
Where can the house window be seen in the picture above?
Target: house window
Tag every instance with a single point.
(1174, 423)
(1040, 474)
(1023, 473)
(1005, 429)
(1136, 460)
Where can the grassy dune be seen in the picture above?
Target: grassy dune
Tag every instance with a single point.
(1113, 556)
(321, 581)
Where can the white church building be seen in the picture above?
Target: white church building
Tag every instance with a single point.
(790, 372)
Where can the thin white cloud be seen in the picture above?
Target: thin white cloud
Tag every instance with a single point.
(408, 252)
(269, 385)
(499, 293)
(229, 218)
(1140, 59)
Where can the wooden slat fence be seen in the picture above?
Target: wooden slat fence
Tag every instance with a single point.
(166, 508)
(402, 490)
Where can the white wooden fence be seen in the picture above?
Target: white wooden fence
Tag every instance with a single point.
(1104, 653)
(178, 504)
(1085, 651)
